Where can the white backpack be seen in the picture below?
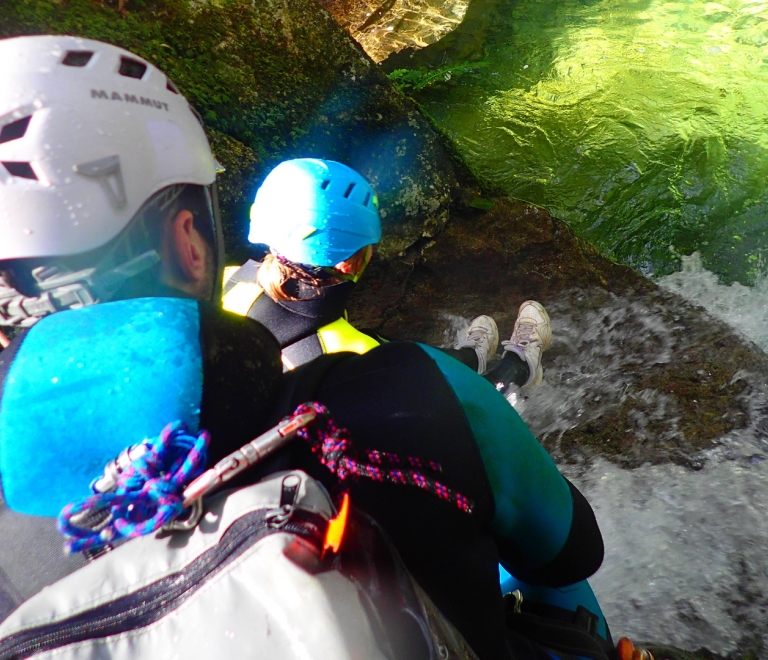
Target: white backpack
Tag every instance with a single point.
(250, 581)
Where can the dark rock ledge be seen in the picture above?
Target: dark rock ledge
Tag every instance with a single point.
(650, 377)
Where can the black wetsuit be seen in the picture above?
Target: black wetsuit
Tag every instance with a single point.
(222, 372)
(296, 323)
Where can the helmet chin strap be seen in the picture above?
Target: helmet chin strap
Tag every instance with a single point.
(61, 291)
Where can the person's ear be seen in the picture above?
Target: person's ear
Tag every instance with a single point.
(190, 250)
(357, 263)
(345, 267)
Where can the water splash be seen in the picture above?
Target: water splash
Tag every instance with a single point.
(685, 560)
(456, 328)
(598, 349)
(744, 308)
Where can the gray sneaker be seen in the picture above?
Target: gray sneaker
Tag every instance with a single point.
(483, 336)
(531, 336)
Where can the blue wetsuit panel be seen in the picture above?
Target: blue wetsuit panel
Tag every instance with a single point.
(533, 501)
(87, 383)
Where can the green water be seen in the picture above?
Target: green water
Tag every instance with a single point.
(642, 124)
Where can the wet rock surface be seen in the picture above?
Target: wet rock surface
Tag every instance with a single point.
(634, 373)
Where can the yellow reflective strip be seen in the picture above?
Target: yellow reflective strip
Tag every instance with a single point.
(341, 336)
(241, 296)
(229, 271)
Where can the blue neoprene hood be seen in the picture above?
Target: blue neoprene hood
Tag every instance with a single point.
(85, 384)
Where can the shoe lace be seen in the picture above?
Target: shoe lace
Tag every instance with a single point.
(477, 334)
(522, 336)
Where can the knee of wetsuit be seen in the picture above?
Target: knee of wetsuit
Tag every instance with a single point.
(569, 598)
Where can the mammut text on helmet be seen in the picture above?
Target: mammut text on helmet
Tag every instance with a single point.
(128, 98)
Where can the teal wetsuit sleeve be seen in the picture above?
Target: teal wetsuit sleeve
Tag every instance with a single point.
(533, 501)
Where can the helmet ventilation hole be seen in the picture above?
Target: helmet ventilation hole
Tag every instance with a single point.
(132, 68)
(367, 199)
(170, 86)
(14, 130)
(324, 185)
(350, 188)
(21, 170)
(77, 57)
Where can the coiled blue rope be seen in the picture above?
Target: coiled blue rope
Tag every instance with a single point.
(148, 494)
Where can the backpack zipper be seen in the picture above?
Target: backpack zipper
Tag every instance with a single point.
(151, 603)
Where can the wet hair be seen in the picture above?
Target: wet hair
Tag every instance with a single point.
(277, 273)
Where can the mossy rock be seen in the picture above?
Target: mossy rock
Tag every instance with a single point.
(273, 80)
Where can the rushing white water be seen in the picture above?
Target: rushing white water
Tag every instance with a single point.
(686, 561)
(686, 550)
(742, 307)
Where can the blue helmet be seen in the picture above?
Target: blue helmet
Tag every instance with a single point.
(315, 212)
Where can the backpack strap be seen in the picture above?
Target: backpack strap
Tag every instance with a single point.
(240, 288)
(563, 631)
(31, 557)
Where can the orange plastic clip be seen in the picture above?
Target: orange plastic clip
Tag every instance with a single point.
(626, 650)
(334, 535)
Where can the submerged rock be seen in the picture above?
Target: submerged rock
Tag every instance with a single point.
(383, 27)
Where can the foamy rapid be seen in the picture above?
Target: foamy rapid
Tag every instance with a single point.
(686, 559)
(744, 308)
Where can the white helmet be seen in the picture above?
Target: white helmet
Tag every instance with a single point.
(88, 133)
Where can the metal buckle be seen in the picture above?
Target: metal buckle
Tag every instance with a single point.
(289, 492)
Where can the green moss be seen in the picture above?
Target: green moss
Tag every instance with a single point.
(221, 55)
(414, 80)
(237, 187)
